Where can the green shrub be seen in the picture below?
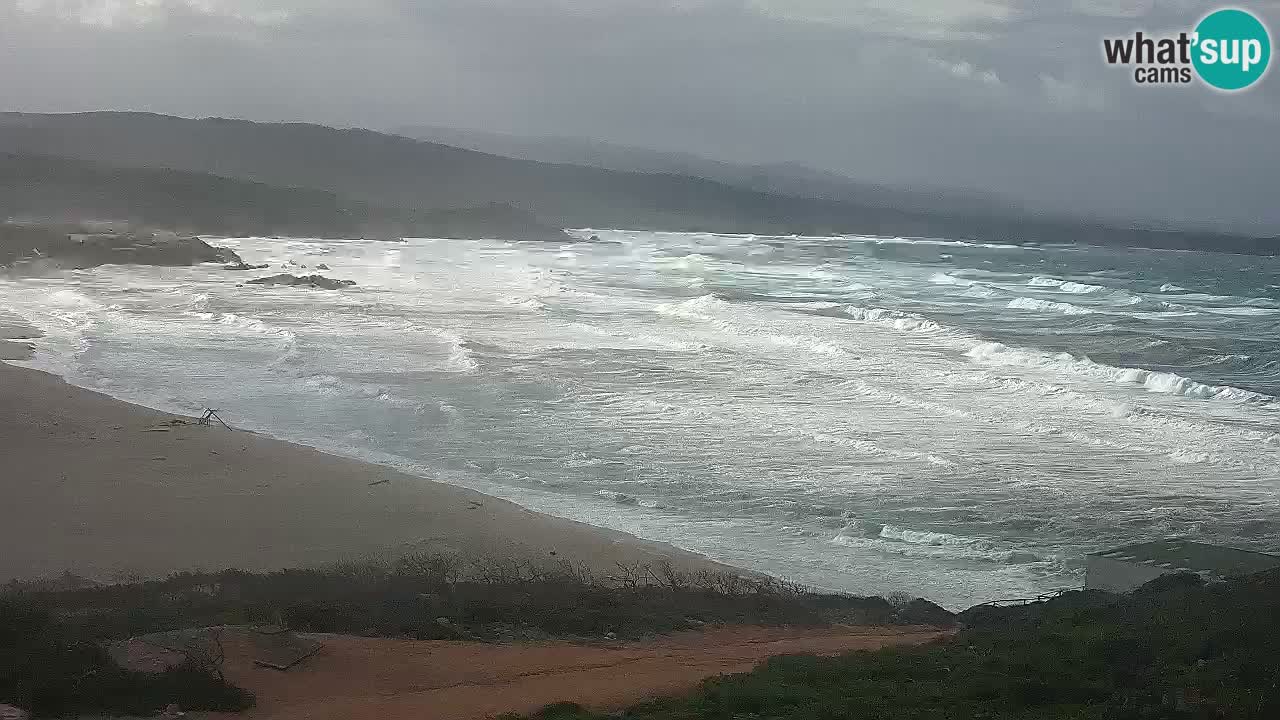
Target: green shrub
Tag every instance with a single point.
(1175, 649)
(55, 669)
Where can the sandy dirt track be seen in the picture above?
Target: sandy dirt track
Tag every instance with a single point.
(388, 679)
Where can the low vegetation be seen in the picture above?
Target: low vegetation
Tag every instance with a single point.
(52, 641)
(55, 669)
(65, 189)
(1177, 648)
(445, 597)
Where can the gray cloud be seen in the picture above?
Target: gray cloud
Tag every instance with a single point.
(1003, 95)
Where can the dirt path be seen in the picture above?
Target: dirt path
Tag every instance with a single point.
(387, 679)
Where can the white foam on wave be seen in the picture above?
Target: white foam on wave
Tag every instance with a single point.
(620, 498)
(332, 385)
(692, 262)
(979, 291)
(1026, 303)
(242, 323)
(1066, 286)
(704, 307)
(1241, 311)
(1170, 287)
(994, 353)
(460, 357)
(1076, 288)
(948, 279)
(891, 539)
(818, 305)
(869, 448)
(527, 303)
(903, 321)
(936, 242)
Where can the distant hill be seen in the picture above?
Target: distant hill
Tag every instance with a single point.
(59, 189)
(377, 170)
(791, 179)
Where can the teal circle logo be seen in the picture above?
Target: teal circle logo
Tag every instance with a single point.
(1231, 49)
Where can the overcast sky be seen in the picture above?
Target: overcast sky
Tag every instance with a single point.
(1003, 95)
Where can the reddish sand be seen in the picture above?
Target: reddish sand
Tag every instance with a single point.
(411, 680)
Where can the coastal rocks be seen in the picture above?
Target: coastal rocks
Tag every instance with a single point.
(242, 265)
(48, 246)
(314, 281)
(9, 712)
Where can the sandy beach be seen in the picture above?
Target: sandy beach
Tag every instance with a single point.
(109, 490)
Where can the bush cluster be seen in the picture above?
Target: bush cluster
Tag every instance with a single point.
(1177, 648)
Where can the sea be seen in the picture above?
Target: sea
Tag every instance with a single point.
(961, 421)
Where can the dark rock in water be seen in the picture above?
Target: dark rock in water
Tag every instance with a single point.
(315, 281)
(244, 266)
(594, 238)
(322, 266)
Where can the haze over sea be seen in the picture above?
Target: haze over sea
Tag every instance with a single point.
(956, 420)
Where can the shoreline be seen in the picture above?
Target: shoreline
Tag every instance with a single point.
(109, 490)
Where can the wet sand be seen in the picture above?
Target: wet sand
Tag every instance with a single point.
(104, 489)
(13, 335)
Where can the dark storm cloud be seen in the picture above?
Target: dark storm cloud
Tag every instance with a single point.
(1005, 95)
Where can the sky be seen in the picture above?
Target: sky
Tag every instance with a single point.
(1003, 96)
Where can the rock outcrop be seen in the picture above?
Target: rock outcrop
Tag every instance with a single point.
(314, 281)
(72, 247)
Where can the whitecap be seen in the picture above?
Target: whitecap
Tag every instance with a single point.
(1026, 303)
(906, 322)
(620, 498)
(948, 279)
(1066, 286)
(994, 353)
(699, 308)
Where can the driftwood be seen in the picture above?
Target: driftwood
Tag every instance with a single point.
(209, 416)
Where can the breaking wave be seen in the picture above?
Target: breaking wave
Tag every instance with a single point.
(948, 279)
(1025, 303)
(1066, 286)
(994, 353)
(699, 308)
(460, 357)
(906, 322)
(892, 539)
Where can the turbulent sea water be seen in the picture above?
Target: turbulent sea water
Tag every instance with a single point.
(957, 420)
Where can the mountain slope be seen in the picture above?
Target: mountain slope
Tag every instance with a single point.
(791, 179)
(396, 171)
(392, 171)
(64, 189)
